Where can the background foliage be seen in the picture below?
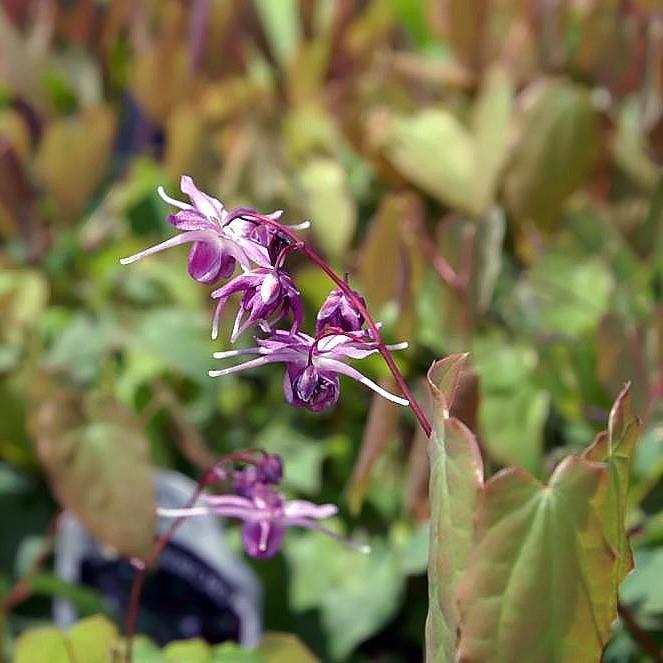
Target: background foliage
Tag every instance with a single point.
(488, 171)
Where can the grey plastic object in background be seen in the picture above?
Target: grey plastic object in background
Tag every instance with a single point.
(201, 536)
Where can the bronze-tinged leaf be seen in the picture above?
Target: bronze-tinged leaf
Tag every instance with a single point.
(156, 91)
(380, 264)
(455, 484)
(615, 447)
(538, 584)
(620, 360)
(464, 23)
(186, 146)
(73, 155)
(92, 455)
(556, 148)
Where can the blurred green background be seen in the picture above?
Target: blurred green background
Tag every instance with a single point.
(488, 171)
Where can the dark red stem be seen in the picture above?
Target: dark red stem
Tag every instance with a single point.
(358, 304)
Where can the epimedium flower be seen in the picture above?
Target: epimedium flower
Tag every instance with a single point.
(220, 237)
(264, 510)
(338, 312)
(313, 365)
(269, 294)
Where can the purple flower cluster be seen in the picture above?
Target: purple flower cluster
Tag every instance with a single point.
(223, 239)
(266, 513)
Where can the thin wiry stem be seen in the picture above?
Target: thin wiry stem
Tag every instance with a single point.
(358, 304)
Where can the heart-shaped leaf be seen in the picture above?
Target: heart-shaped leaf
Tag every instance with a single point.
(538, 584)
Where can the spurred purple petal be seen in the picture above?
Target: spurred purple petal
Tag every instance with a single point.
(262, 539)
(208, 262)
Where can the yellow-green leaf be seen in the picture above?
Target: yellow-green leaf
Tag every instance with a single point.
(329, 204)
(89, 641)
(284, 648)
(615, 447)
(538, 584)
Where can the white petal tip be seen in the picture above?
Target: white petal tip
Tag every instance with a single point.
(125, 261)
(399, 346)
(364, 549)
(214, 374)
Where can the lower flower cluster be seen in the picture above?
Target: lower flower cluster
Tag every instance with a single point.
(264, 510)
(223, 240)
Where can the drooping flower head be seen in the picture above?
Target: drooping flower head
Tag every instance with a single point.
(265, 511)
(269, 294)
(313, 365)
(338, 312)
(220, 237)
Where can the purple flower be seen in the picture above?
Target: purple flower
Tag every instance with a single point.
(338, 312)
(268, 469)
(312, 364)
(220, 238)
(268, 293)
(266, 515)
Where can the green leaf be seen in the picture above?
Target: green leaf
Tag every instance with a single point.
(41, 645)
(160, 329)
(302, 455)
(490, 129)
(456, 478)
(329, 204)
(456, 165)
(280, 21)
(89, 640)
(284, 648)
(563, 294)
(229, 652)
(80, 347)
(188, 651)
(538, 584)
(90, 466)
(436, 152)
(356, 594)
(555, 152)
(642, 588)
(512, 425)
(615, 447)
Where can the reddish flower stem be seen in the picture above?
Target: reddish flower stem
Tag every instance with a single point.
(357, 303)
(160, 543)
